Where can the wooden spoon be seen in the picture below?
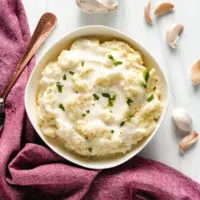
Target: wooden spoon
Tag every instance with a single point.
(44, 27)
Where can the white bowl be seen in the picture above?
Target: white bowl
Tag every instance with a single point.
(30, 95)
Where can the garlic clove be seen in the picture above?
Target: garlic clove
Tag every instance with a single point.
(147, 12)
(195, 73)
(188, 141)
(182, 119)
(97, 6)
(163, 8)
(173, 34)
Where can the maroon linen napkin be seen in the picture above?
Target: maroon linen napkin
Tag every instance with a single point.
(30, 170)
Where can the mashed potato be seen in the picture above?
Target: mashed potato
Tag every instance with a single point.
(98, 98)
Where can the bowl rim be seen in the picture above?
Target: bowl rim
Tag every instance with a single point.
(125, 157)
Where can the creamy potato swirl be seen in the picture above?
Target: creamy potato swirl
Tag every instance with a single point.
(98, 98)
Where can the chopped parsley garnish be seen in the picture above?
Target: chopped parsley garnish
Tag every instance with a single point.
(107, 95)
(144, 85)
(122, 123)
(71, 72)
(112, 131)
(110, 98)
(116, 63)
(129, 101)
(82, 63)
(96, 97)
(150, 98)
(61, 107)
(111, 57)
(90, 149)
(87, 112)
(129, 117)
(114, 97)
(64, 77)
(110, 103)
(146, 75)
(59, 86)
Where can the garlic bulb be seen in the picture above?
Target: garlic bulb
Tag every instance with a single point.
(182, 119)
(97, 6)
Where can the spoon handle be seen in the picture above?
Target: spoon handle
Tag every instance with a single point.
(44, 27)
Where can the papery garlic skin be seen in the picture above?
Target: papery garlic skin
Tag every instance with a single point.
(97, 6)
(182, 119)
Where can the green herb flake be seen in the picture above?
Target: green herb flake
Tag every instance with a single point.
(154, 88)
(83, 115)
(106, 95)
(150, 98)
(146, 75)
(129, 101)
(114, 97)
(116, 63)
(112, 131)
(111, 99)
(61, 107)
(88, 111)
(71, 72)
(122, 123)
(96, 97)
(110, 103)
(64, 77)
(82, 64)
(129, 117)
(59, 86)
(90, 149)
(144, 85)
(111, 57)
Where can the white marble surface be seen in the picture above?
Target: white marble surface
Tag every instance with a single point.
(176, 63)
